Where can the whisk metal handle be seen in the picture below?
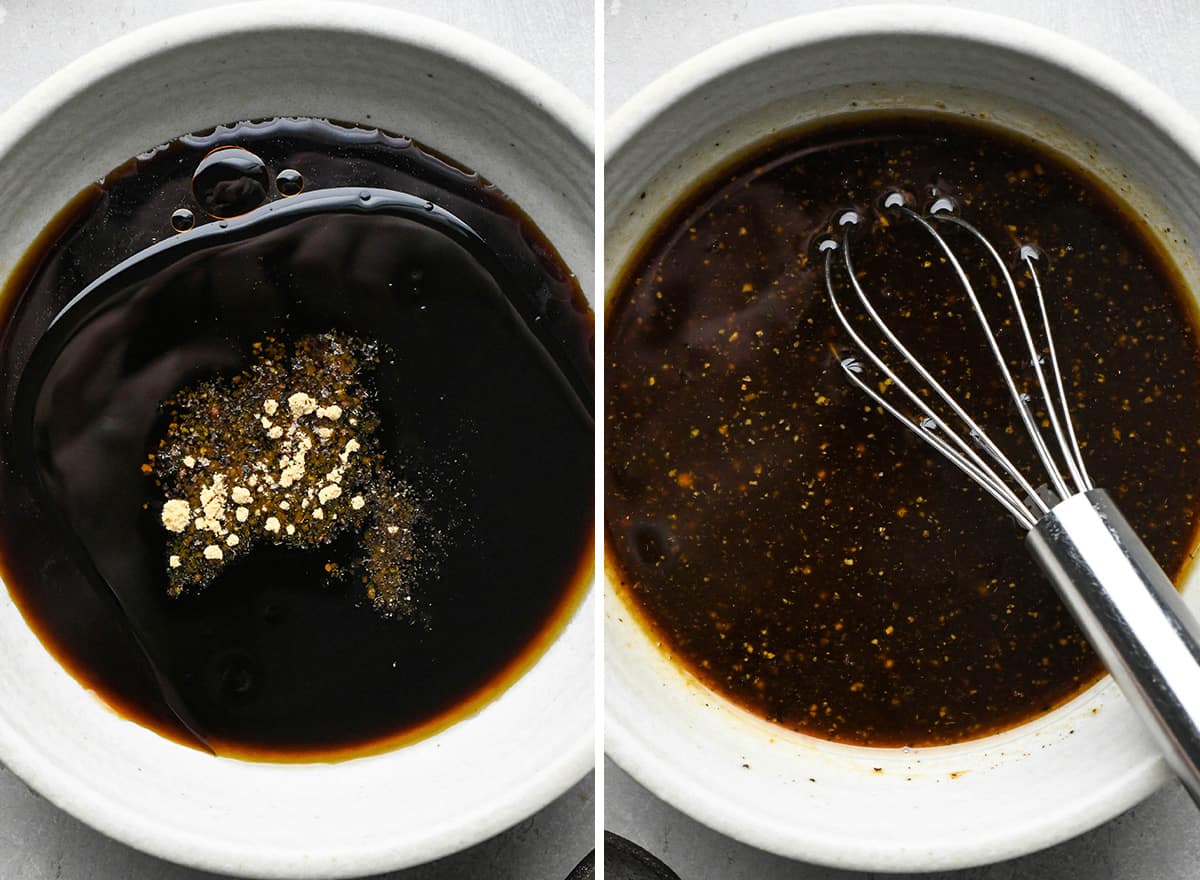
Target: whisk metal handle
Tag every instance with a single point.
(1132, 615)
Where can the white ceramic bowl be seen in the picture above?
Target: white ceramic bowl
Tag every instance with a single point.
(492, 112)
(932, 808)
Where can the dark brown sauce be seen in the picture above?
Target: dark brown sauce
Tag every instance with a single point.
(482, 392)
(800, 552)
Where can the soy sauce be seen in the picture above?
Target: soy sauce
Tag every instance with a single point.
(482, 389)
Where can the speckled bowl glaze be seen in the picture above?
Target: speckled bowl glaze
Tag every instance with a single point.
(490, 111)
(853, 807)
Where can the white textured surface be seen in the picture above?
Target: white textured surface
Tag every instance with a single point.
(644, 40)
(1156, 840)
(37, 37)
(40, 842)
(36, 840)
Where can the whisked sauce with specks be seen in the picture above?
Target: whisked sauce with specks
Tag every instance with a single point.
(803, 554)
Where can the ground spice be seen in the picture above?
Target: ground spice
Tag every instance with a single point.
(238, 469)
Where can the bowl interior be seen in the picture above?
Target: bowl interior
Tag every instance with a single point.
(883, 809)
(488, 111)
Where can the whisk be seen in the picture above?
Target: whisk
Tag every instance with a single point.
(1123, 601)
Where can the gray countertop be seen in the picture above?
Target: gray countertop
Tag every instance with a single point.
(1159, 839)
(38, 841)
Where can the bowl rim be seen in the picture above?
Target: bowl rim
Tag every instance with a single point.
(688, 792)
(21, 754)
(167, 34)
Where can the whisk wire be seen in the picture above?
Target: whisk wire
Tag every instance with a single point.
(1008, 485)
(1001, 362)
(974, 430)
(981, 475)
(963, 457)
(926, 411)
(1071, 447)
(1035, 360)
(1123, 600)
